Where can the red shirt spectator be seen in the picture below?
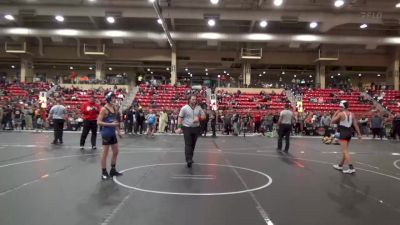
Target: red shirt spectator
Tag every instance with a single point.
(90, 109)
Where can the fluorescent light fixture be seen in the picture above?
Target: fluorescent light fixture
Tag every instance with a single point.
(71, 67)
(152, 1)
(19, 31)
(110, 19)
(263, 23)
(59, 18)
(339, 3)
(313, 25)
(214, 2)
(210, 36)
(9, 17)
(110, 68)
(363, 26)
(278, 2)
(67, 32)
(159, 21)
(306, 37)
(260, 37)
(211, 22)
(92, 0)
(115, 33)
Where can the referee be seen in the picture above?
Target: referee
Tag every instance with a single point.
(189, 122)
(285, 124)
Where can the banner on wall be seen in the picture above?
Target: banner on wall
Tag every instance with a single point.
(299, 106)
(43, 99)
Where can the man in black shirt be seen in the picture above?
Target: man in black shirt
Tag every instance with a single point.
(396, 126)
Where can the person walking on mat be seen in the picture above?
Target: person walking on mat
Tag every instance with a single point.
(108, 119)
(189, 119)
(345, 120)
(285, 123)
(90, 111)
(58, 113)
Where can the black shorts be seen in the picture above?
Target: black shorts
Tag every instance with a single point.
(345, 133)
(110, 140)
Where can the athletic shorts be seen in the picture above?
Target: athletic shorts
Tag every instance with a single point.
(110, 140)
(345, 133)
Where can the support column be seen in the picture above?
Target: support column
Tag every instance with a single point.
(26, 70)
(320, 76)
(100, 72)
(246, 71)
(392, 73)
(173, 67)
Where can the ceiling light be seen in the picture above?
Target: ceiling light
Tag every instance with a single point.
(359, 74)
(338, 74)
(159, 21)
(310, 76)
(307, 37)
(67, 32)
(71, 67)
(260, 75)
(9, 17)
(90, 68)
(148, 69)
(207, 74)
(214, 2)
(339, 3)
(263, 23)
(295, 75)
(186, 69)
(92, 0)
(331, 77)
(378, 75)
(167, 68)
(224, 71)
(264, 72)
(191, 75)
(206, 69)
(211, 22)
(152, 1)
(110, 19)
(278, 2)
(283, 72)
(12, 66)
(363, 26)
(398, 5)
(109, 68)
(313, 25)
(151, 72)
(59, 18)
(228, 74)
(219, 76)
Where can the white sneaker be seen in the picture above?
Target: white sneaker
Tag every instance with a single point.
(336, 166)
(349, 171)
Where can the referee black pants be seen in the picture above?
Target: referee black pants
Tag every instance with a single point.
(284, 131)
(89, 125)
(190, 135)
(58, 129)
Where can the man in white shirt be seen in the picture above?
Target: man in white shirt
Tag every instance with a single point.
(58, 114)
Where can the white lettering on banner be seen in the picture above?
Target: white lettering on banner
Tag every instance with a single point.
(372, 15)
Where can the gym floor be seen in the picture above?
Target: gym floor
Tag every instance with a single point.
(234, 181)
